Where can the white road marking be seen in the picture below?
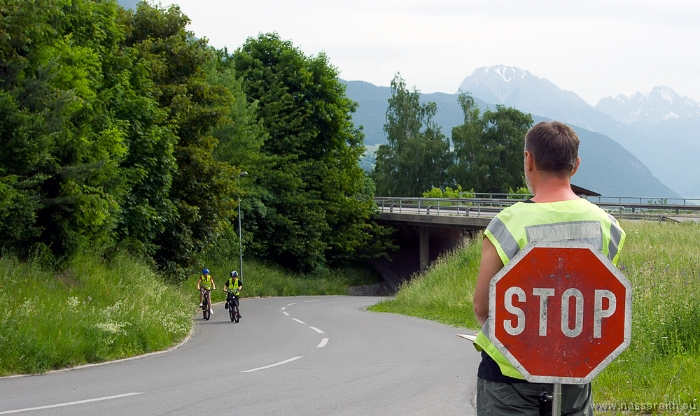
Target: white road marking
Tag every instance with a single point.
(316, 329)
(285, 313)
(284, 307)
(272, 365)
(307, 301)
(301, 322)
(471, 338)
(291, 304)
(7, 412)
(323, 343)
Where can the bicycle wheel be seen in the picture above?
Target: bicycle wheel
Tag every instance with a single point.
(235, 316)
(231, 312)
(205, 310)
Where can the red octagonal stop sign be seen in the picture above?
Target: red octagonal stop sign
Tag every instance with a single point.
(560, 312)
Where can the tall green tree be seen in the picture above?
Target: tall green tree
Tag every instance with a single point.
(240, 138)
(488, 148)
(311, 211)
(241, 134)
(150, 135)
(202, 193)
(60, 145)
(107, 121)
(417, 156)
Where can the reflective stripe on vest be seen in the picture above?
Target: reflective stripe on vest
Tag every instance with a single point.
(206, 281)
(576, 220)
(515, 226)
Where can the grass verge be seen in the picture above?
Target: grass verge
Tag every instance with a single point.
(443, 293)
(658, 372)
(91, 312)
(261, 279)
(663, 361)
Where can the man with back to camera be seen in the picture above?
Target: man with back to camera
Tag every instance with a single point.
(555, 213)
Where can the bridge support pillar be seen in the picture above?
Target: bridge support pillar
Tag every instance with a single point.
(424, 248)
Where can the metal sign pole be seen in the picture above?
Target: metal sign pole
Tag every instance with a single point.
(556, 400)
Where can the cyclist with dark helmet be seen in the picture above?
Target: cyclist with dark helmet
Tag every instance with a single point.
(233, 286)
(205, 282)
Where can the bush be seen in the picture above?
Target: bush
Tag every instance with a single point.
(449, 193)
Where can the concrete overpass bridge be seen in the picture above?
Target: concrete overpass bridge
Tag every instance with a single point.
(427, 227)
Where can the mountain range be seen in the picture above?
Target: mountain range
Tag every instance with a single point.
(648, 144)
(602, 158)
(660, 105)
(660, 128)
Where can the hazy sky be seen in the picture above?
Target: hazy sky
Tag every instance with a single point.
(594, 48)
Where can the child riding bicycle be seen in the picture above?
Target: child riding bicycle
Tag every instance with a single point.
(233, 286)
(205, 282)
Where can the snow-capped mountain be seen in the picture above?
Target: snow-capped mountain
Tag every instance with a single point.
(514, 87)
(659, 105)
(496, 84)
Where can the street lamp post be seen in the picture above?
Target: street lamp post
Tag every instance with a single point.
(240, 234)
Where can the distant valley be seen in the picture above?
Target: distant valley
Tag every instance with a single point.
(645, 157)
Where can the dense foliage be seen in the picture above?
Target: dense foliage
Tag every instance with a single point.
(488, 150)
(121, 130)
(62, 143)
(417, 156)
(487, 154)
(314, 208)
(202, 186)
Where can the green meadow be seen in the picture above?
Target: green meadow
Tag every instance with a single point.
(661, 366)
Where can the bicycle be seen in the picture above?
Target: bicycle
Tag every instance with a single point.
(232, 306)
(206, 305)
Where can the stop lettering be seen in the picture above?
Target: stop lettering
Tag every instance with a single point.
(560, 312)
(571, 310)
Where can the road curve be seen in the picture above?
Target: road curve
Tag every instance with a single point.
(323, 355)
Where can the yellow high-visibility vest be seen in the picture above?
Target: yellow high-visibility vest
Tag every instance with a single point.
(206, 281)
(233, 285)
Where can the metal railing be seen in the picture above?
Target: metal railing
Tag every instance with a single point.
(487, 205)
(471, 207)
(619, 200)
(641, 200)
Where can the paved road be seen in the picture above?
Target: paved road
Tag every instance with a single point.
(287, 356)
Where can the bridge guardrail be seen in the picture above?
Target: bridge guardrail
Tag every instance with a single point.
(482, 207)
(443, 206)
